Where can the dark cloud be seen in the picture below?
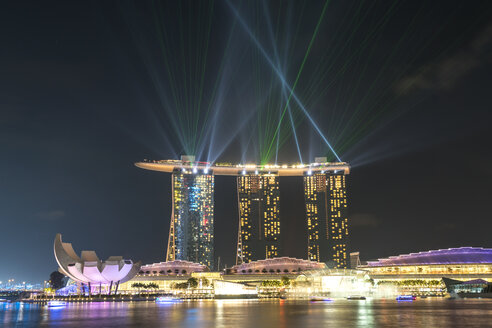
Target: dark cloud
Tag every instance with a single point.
(364, 220)
(447, 226)
(445, 73)
(52, 215)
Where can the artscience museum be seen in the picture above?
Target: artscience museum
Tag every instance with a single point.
(89, 272)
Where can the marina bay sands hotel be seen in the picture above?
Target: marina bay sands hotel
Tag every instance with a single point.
(191, 233)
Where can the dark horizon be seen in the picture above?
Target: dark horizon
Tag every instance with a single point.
(401, 92)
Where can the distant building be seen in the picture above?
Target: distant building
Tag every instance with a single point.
(477, 288)
(191, 233)
(325, 195)
(259, 217)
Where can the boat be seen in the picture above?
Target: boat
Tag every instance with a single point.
(356, 297)
(320, 299)
(56, 304)
(405, 298)
(167, 299)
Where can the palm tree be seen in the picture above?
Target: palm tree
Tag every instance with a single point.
(205, 282)
(152, 285)
(138, 285)
(285, 281)
(193, 282)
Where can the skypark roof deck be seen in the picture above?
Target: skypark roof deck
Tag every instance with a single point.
(170, 166)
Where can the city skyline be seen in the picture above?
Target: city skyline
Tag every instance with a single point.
(400, 91)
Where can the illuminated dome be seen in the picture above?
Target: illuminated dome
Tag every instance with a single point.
(89, 269)
(172, 268)
(277, 265)
(462, 255)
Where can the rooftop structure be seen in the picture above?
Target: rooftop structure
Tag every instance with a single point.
(172, 268)
(187, 166)
(462, 255)
(277, 265)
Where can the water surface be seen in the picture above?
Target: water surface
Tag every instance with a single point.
(254, 314)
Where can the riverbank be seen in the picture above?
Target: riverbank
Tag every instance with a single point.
(97, 298)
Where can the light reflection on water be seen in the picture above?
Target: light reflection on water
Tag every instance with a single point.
(253, 314)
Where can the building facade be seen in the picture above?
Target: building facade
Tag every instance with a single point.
(462, 263)
(279, 265)
(170, 268)
(325, 196)
(191, 233)
(259, 217)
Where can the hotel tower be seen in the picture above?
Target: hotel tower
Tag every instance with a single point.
(259, 219)
(325, 196)
(191, 232)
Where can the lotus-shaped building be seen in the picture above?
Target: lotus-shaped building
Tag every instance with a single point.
(89, 269)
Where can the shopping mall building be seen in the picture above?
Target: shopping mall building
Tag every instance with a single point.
(464, 263)
(167, 274)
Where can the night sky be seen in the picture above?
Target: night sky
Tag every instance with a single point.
(401, 90)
